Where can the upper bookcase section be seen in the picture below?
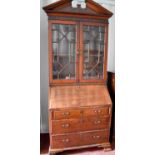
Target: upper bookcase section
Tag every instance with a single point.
(64, 8)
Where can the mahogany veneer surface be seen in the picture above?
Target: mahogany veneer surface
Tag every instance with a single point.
(79, 139)
(78, 96)
(79, 116)
(76, 125)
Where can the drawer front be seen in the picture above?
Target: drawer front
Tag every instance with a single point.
(66, 114)
(96, 111)
(96, 123)
(96, 137)
(65, 126)
(64, 141)
(77, 125)
(78, 113)
(79, 139)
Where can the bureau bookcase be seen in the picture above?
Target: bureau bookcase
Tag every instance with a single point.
(79, 103)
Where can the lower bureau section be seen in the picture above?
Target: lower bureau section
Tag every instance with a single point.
(79, 139)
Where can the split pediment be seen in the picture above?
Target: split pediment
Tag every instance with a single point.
(64, 6)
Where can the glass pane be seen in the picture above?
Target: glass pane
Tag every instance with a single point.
(93, 44)
(64, 49)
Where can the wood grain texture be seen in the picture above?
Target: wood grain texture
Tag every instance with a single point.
(77, 109)
(66, 114)
(97, 9)
(76, 125)
(79, 139)
(80, 112)
(78, 96)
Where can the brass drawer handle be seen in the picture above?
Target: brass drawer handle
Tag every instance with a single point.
(66, 113)
(65, 140)
(96, 137)
(65, 125)
(97, 122)
(98, 111)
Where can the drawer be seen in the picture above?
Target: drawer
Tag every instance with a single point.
(66, 114)
(96, 123)
(95, 137)
(96, 111)
(65, 126)
(63, 141)
(76, 125)
(79, 139)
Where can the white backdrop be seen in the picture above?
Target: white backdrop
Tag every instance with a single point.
(109, 4)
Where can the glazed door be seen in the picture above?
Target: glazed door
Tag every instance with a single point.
(62, 56)
(93, 51)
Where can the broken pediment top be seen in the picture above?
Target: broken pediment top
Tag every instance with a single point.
(64, 6)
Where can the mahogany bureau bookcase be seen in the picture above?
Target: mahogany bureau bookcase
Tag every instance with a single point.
(80, 107)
